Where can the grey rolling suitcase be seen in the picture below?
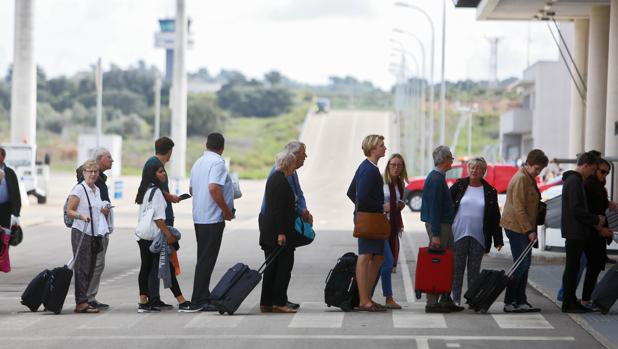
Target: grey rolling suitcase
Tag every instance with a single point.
(606, 291)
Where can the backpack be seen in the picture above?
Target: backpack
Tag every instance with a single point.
(68, 221)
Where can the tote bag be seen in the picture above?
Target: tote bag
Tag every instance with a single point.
(146, 228)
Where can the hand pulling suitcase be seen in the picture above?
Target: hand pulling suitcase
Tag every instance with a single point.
(434, 271)
(489, 285)
(236, 285)
(606, 291)
(341, 289)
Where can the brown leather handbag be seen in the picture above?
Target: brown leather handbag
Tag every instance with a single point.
(372, 226)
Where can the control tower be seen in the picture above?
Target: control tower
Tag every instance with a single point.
(166, 39)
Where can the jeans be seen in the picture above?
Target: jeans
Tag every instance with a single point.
(386, 270)
(516, 288)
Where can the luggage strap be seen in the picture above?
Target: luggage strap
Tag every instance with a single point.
(270, 259)
(520, 259)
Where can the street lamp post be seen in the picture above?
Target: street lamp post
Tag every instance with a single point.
(424, 137)
(431, 84)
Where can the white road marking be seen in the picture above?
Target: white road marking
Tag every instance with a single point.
(292, 337)
(21, 321)
(214, 320)
(113, 319)
(522, 321)
(453, 345)
(407, 277)
(422, 343)
(316, 315)
(407, 319)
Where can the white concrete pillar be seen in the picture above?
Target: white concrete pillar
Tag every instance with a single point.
(611, 119)
(179, 106)
(596, 100)
(578, 108)
(23, 85)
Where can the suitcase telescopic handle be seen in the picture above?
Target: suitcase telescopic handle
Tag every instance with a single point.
(520, 259)
(270, 259)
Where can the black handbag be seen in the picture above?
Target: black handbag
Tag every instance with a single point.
(541, 213)
(17, 235)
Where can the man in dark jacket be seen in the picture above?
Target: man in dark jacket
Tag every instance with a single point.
(10, 199)
(579, 227)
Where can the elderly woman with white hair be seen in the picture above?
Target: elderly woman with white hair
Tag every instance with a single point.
(277, 229)
(476, 223)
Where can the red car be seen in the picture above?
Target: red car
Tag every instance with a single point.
(497, 175)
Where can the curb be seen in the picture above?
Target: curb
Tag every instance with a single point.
(577, 318)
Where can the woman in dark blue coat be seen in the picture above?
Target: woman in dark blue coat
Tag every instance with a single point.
(366, 192)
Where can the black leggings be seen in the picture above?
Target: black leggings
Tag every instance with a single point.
(149, 272)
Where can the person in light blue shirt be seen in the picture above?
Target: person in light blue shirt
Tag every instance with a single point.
(209, 178)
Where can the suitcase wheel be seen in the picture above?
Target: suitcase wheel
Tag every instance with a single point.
(221, 312)
(230, 313)
(483, 311)
(345, 306)
(418, 294)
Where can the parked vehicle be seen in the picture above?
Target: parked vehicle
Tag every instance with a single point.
(498, 175)
(33, 176)
(323, 105)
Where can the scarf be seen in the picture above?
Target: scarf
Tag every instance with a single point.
(395, 218)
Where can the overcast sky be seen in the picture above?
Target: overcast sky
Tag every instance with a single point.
(306, 40)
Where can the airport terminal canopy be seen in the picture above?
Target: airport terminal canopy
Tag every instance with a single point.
(530, 9)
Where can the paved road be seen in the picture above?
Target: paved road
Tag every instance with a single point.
(334, 152)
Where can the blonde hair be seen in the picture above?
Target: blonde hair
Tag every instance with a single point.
(370, 142)
(404, 173)
(284, 160)
(477, 161)
(90, 165)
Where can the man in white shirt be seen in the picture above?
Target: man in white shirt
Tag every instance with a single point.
(209, 178)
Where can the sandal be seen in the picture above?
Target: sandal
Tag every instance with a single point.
(372, 308)
(87, 310)
(378, 305)
(392, 306)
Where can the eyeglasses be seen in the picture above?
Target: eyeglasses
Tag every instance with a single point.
(395, 165)
(91, 171)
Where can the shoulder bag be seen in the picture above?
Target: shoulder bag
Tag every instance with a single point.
(146, 228)
(371, 225)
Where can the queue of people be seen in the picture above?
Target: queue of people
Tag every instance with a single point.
(465, 218)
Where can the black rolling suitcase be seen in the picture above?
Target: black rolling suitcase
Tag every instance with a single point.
(341, 289)
(237, 283)
(50, 287)
(35, 291)
(605, 292)
(490, 284)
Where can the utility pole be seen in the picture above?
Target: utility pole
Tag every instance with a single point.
(157, 102)
(98, 79)
(493, 60)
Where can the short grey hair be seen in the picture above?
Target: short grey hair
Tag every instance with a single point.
(294, 147)
(98, 154)
(284, 160)
(476, 162)
(441, 154)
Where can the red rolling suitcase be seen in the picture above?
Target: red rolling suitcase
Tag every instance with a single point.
(434, 271)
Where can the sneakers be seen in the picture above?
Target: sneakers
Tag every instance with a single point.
(147, 308)
(293, 305)
(97, 305)
(161, 305)
(511, 308)
(188, 307)
(528, 308)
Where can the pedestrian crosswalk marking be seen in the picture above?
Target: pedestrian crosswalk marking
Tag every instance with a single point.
(115, 318)
(316, 315)
(522, 321)
(214, 320)
(408, 319)
(21, 321)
